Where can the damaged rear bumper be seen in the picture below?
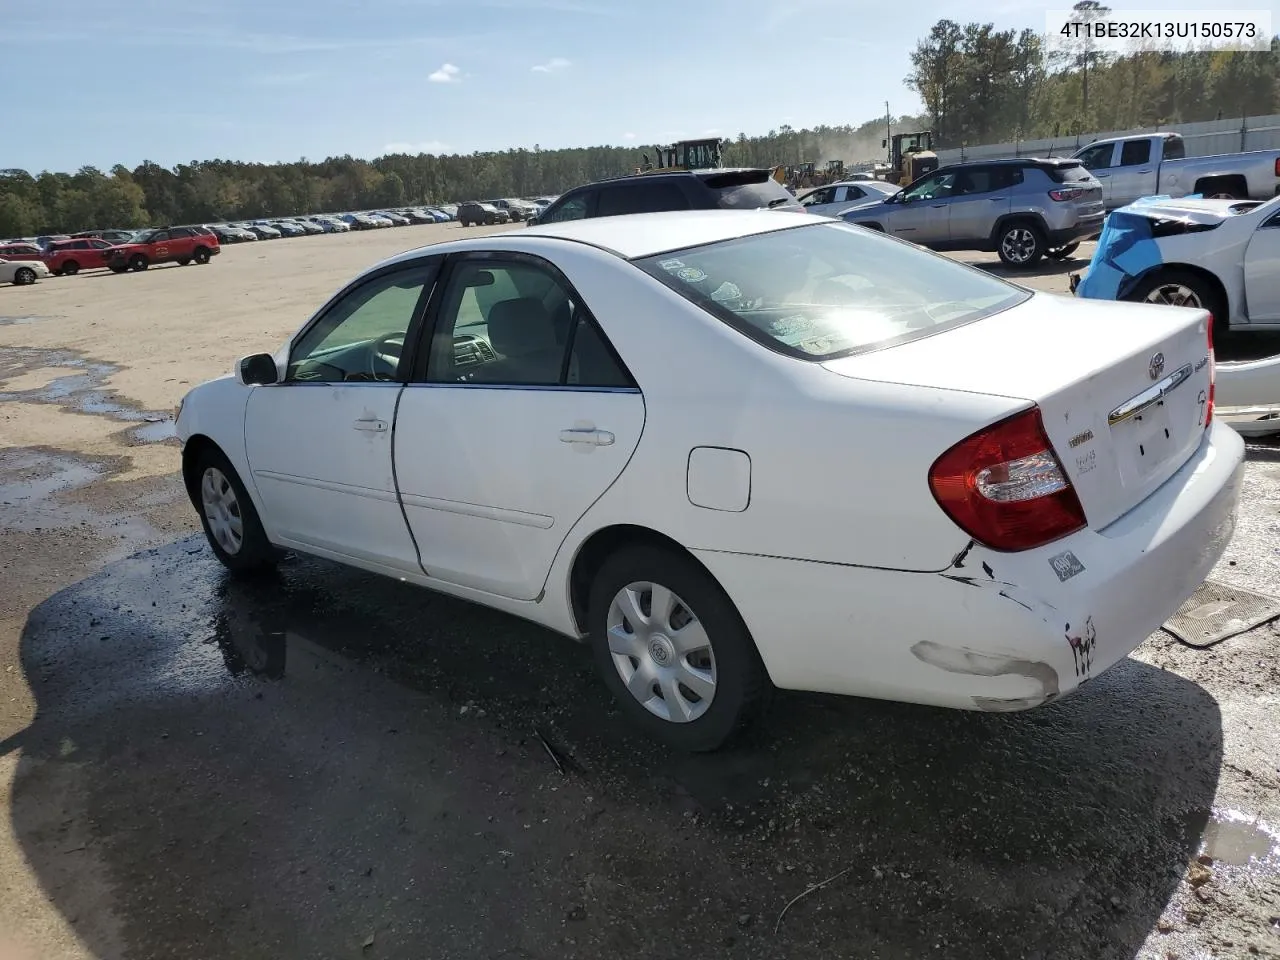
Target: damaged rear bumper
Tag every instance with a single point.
(996, 631)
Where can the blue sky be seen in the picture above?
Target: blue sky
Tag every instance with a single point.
(269, 80)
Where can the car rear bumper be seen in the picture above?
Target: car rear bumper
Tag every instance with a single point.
(995, 631)
(1083, 229)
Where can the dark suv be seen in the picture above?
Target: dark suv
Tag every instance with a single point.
(735, 189)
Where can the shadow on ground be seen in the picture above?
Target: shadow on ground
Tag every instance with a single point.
(331, 764)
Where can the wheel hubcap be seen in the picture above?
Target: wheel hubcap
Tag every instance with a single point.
(222, 510)
(1175, 295)
(1018, 245)
(662, 652)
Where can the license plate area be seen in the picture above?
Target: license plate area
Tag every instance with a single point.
(1144, 442)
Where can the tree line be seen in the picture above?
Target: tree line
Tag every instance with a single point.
(979, 85)
(982, 85)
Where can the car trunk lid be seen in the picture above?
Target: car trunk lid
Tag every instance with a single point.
(1122, 388)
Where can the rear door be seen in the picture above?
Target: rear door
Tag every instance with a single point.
(1134, 174)
(981, 197)
(641, 196)
(520, 419)
(1262, 272)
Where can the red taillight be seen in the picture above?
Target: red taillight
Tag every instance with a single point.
(1069, 193)
(1278, 166)
(1208, 407)
(1005, 487)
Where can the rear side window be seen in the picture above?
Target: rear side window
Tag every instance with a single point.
(641, 196)
(830, 290)
(1134, 152)
(1066, 173)
(748, 190)
(1175, 149)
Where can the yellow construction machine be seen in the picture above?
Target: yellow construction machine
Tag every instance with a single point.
(911, 156)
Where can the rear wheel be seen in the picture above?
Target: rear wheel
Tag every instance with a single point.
(1020, 244)
(183, 261)
(70, 268)
(23, 276)
(202, 255)
(138, 262)
(672, 648)
(1061, 253)
(230, 521)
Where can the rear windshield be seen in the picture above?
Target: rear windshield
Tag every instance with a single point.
(749, 190)
(823, 291)
(1066, 173)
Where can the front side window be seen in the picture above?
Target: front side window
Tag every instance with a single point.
(933, 187)
(829, 290)
(160, 237)
(517, 324)
(361, 337)
(1098, 157)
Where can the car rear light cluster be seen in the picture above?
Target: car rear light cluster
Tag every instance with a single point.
(1208, 407)
(1278, 166)
(1005, 487)
(1066, 193)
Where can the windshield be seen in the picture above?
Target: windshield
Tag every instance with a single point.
(829, 290)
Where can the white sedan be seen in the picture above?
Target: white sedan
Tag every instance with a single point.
(22, 272)
(739, 448)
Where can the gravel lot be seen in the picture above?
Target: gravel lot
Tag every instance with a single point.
(334, 765)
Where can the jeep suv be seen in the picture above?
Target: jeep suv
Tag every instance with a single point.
(1022, 209)
(730, 189)
(65, 258)
(484, 214)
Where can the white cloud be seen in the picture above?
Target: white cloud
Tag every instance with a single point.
(425, 146)
(447, 73)
(628, 136)
(555, 63)
(711, 132)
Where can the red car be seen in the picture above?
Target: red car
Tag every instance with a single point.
(180, 245)
(20, 251)
(69, 257)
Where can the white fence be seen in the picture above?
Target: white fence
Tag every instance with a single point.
(1202, 140)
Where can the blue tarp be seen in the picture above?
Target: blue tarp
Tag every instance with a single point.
(1125, 250)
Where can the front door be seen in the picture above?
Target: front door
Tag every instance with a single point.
(921, 213)
(319, 442)
(521, 419)
(1262, 273)
(982, 196)
(1098, 160)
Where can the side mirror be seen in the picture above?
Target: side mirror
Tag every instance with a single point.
(258, 370)
(883, 144)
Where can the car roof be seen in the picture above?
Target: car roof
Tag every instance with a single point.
(644, 234)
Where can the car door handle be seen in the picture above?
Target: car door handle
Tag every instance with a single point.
(596, 438)
(937, 206)
(1144, 171)
(999, 199)
(369, 423)
(1101, 176)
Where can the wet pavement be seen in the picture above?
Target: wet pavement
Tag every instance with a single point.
(325, 763)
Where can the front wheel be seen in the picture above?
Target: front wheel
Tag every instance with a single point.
(183, 261)
(1020, 244)
(672, 648)
(1061, 253)
(230, 521)
(202, 255)
(138, 262)
(24, 276)
(118, 268)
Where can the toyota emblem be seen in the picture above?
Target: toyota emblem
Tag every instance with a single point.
(1156, 366)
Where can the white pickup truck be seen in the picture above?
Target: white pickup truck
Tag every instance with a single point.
(1143, 166)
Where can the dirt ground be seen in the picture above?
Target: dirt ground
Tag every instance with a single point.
(334, 765)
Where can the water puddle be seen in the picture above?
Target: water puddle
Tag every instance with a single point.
(81, 391)
(1240, 840)
(8, 321)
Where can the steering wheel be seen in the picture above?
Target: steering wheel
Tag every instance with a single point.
(381, 349)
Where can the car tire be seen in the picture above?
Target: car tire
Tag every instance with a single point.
(70, 268)
(116, 268)
(138, 262)
(202, 255)
(1062, 253)
(224, 505)
(1020, 244)
(184, 261)
(1183, 288)
(724, 665)
(24, 276)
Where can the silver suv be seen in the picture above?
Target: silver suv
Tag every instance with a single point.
(1022, 209)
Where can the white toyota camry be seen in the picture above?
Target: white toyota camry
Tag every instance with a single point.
(740, 448)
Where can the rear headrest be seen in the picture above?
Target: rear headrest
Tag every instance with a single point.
(520, 326)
